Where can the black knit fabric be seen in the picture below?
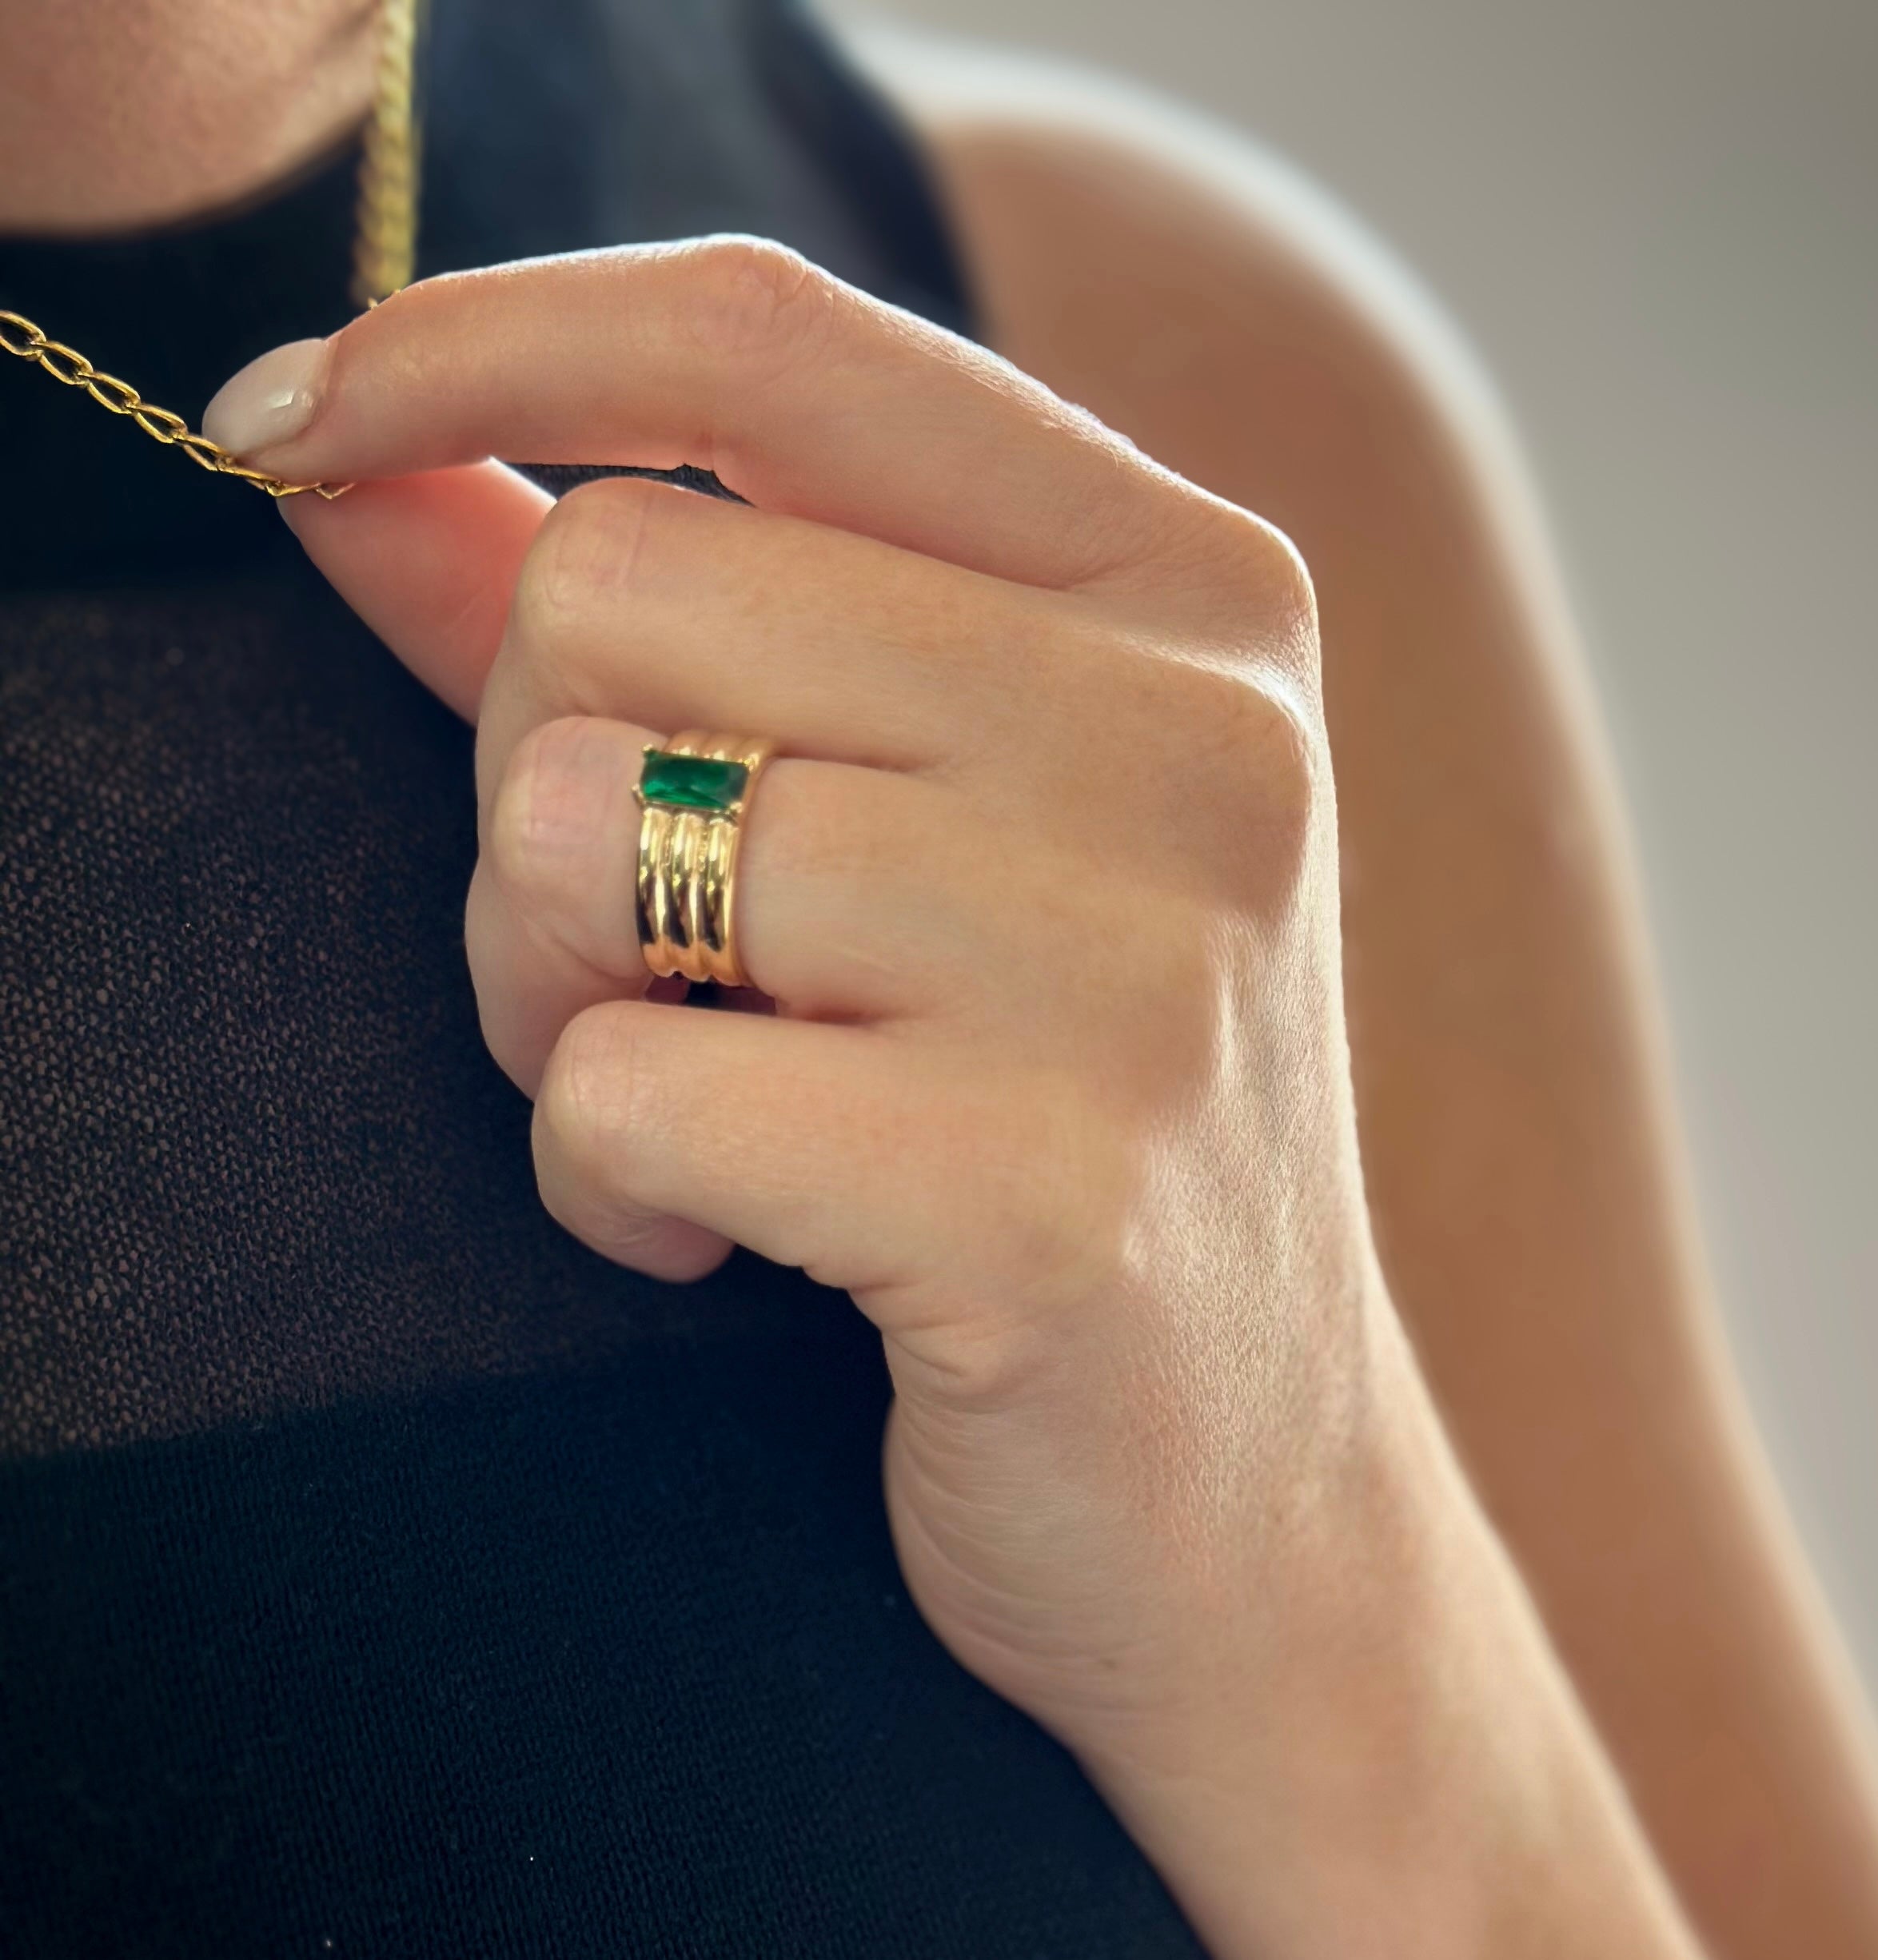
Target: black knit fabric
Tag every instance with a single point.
(381, 1573)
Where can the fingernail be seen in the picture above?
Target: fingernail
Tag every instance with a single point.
(270, 401)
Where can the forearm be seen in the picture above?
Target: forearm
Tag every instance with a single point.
(1405, 1771)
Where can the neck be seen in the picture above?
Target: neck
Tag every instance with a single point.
(120, 114)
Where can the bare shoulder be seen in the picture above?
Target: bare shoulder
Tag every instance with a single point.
(1166, 271)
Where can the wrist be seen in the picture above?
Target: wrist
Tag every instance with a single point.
(1384, 1756)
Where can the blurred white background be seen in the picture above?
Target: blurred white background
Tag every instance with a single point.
(1658, 219)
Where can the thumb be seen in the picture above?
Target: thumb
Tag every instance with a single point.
(429, 564)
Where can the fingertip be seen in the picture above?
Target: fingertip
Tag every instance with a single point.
(270, 401)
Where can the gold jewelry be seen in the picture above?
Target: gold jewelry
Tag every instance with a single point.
(385, 243)
(691, 795)
(383, 254)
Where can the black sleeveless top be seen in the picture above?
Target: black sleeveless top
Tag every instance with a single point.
(381, 1573)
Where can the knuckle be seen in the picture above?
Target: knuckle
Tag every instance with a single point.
(1257, 746)
(543, 806)
(1258, 573)
(1177, 973)
(587, 545)
(757, 299)
(583, 1110)
(1285, 578)
(1247, 725)
(485, 931)
(1288, 754)
(632, 1235)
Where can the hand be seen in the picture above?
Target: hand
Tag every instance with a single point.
(1043, 889)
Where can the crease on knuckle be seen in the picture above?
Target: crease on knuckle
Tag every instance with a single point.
(1290, 756)
(1255, 733)
(1257, 575)
(588, 550)
(1292, 594)
(627, 1231)
(760, 303)
(586, 1115)
(542, 805)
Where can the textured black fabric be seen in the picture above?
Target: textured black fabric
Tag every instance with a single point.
(380, 1571)
(615, 1665)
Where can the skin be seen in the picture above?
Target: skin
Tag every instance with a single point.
(1160, 1468)
(119, 114)
(1524, 1169)
(1122, 1256)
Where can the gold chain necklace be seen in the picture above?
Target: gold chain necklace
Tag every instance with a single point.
(383, 252)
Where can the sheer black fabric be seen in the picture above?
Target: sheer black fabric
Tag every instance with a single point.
(380, 1573)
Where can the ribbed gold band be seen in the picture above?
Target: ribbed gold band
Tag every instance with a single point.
(688, 858)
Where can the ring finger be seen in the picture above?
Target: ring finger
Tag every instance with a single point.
(843, 880)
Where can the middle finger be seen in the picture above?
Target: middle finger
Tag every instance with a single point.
(655, 604)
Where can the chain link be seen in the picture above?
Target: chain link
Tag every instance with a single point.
(383, 254)
(20, 337)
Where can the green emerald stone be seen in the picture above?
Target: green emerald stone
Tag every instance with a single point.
(691, 782)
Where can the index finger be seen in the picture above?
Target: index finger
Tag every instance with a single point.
(803, 394)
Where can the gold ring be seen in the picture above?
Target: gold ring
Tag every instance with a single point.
(692, 794)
